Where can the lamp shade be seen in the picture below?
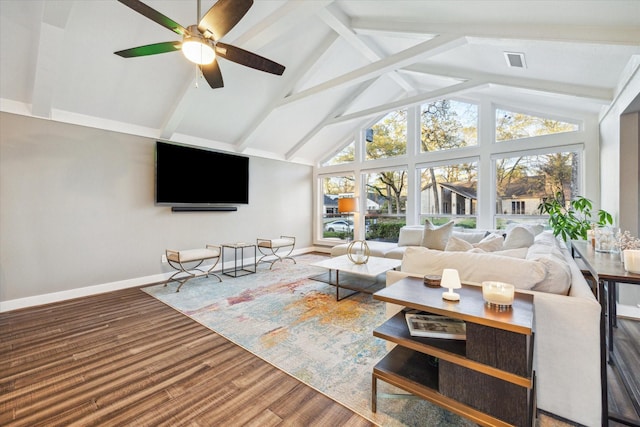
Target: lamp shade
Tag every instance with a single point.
(450, 280)
(347, 204)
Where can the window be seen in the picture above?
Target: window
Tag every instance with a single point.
(524, 181)
(511, 125)
(449, 192)
(346, 155)
(386, 204)
(447, 124)
(334, 224)
(388, 137)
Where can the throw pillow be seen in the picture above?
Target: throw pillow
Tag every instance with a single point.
(518, 237)
(436, 237)
(491, 243)
(410, 235)
(457, 245)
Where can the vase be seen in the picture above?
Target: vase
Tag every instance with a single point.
(605, 239)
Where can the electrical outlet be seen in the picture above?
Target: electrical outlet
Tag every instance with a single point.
(164, 258)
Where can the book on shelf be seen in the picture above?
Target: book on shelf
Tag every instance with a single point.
(435, 326)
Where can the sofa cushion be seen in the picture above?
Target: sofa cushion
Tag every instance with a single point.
(492, 242)
(475, 267)
(376, 249)
(518, 237)
(558, 278)
(436, 237)
(410, 235)
(396, 253)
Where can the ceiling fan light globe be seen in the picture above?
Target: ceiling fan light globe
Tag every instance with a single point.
(198, 51)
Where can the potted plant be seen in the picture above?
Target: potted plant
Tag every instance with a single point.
(572, 222)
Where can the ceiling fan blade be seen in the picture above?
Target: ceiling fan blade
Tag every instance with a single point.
(223, 16)
(154, 15)
(212, 74)
(249, 59)
(150, 49)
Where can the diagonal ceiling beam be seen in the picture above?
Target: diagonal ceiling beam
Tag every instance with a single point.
(179, 109)
(597, 94)
(413, 100)
(344, 106)
(618, 35)
(279, 23)
(339, 23)
(406, 57)
(292, 81)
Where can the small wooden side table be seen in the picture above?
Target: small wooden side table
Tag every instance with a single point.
(494, 360)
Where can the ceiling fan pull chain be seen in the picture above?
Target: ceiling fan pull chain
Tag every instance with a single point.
(197, 75)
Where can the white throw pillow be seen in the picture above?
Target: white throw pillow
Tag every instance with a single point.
(457, 245)
(475, 267)
(518, 237)
(410, 236)
(493, 242)
(436, 237)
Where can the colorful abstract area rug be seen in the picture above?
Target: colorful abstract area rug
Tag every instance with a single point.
(296, 324)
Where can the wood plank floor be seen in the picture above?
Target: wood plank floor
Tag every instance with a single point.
(125, 358)
(627, 349)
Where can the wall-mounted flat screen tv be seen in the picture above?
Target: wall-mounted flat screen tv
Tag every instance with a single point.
(187, 175)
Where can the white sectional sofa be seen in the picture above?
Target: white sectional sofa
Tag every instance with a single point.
(410, 235)
(566, 313)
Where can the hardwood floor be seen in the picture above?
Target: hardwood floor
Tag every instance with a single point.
(125, 358)
(627, 349)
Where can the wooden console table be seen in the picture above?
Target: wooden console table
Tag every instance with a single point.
(608, 271)
(487, 378)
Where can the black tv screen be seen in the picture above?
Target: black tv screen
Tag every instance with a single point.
(188, 175)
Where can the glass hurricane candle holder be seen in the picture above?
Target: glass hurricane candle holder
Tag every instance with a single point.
(498, 295)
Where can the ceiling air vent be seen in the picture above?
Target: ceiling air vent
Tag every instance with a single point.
(515, 59)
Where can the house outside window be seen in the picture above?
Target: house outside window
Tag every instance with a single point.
(524, 181)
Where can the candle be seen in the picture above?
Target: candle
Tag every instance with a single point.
(498, 293)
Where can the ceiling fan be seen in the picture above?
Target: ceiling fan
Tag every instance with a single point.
(200, 43)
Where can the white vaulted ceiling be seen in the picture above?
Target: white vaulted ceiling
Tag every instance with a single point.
(347, 63)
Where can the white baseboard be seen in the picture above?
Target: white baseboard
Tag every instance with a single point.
(18, 303)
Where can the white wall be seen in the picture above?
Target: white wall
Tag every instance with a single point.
(619, 164)
(77, 209)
